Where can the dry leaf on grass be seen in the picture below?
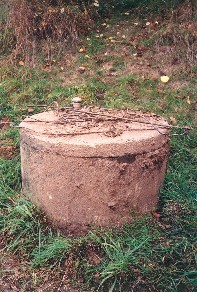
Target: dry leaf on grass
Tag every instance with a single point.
(188, 100)
(81, 50)
(173, 120)
(21, 63)
(164, 79)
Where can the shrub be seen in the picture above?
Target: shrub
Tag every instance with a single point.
(52, 22)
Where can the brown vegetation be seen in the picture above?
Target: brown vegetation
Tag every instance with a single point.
(181, 34)
(43, 27)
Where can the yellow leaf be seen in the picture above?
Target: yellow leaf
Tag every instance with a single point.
(21, 63)
(164, 79)
(87, 56)
(110, 38)
(81, 50)
(96, 4)
(188, 100)
(173, 120)
(85, 11)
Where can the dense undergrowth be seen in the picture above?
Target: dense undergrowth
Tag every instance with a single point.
(158, 251)
(31, 30)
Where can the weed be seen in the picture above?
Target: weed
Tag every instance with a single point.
(53, 251)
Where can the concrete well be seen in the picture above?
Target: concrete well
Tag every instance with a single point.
(86, 168)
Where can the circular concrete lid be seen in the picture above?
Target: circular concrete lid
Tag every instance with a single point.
(94, 126)
(112, 130)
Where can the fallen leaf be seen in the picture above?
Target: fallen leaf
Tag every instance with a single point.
(164, 79)
(81, 50)
(148, 23)
(188, 100)
(81, 69)
(173, 120)
(21, 63)
(30, 110)
(96, 4)
(87, 56)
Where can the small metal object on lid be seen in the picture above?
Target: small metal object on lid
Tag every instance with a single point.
(76, 102)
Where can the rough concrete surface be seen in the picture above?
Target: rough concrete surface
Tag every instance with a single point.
(96, 177)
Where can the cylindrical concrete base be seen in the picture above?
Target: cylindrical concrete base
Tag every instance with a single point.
(93, 178)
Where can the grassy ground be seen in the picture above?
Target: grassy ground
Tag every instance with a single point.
(118, 65)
